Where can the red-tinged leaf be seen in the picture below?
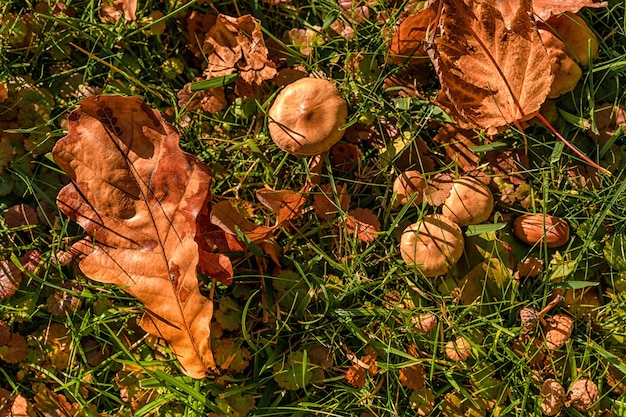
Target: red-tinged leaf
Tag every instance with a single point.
(364, 223)
(226, 216)
(137, 194)
(546, 8)
(493, 68)
(286, 204)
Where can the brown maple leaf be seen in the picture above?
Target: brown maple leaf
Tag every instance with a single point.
(137, 194)
(493, 68)
(237, 45)
(546, 8)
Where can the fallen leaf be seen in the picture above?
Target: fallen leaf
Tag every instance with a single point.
(113, 10)
(48, 403)
(20, 215)
(211, 100)
(355, 376)
(14, 405)
(409, 39)
(326, 205)
(493, 68)
(198, 25)
(15, 349)
(139, 199)
(237, 45)
(5, 333)
(10, 278)
(226, 216)
(543, 9)
(438, 188)
(364, 223)
(286, 204)
(457, 144)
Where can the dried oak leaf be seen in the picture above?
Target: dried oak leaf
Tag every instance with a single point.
(286, 204)
(138, 195)
(543, 9)
(493, 68)
(237, 45)
(364, 223)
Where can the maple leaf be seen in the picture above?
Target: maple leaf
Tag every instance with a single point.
(546, 8)
(137, 194)
(235, 44)
(493, 68)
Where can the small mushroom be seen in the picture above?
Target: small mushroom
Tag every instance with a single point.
(552, 397)
(580, 41)
(306, 117)
(434, 244)
(535, 228)
(582, 395)
(470, 202)
(407, 185)
(566, 71)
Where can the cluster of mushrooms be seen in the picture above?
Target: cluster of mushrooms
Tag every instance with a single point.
(306, 119)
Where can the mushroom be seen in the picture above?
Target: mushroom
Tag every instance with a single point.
(558, 330)
(534, 228)
(470, 202)
(434, 244)
(306, 117)
(566, 71)
(407, 185)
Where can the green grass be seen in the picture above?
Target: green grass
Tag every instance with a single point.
(334, 297)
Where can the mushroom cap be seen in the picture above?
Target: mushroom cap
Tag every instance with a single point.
(306, 117)
(470, 202)
(408, 184)
(435, 244)
(558, 330)
(566, 71)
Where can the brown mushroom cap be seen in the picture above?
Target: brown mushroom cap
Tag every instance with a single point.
(435, 244)
(458, 350)
(566, 71)
(470, 202)
(407, 185)
(306, 117)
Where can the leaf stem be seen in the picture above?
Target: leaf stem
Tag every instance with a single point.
(572, 147)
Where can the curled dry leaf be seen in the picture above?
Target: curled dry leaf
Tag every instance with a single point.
(493, 68)
(139, 200)
(410, 37)
(364, 223)
(438, 188)
(458, 350)
(237, 45)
